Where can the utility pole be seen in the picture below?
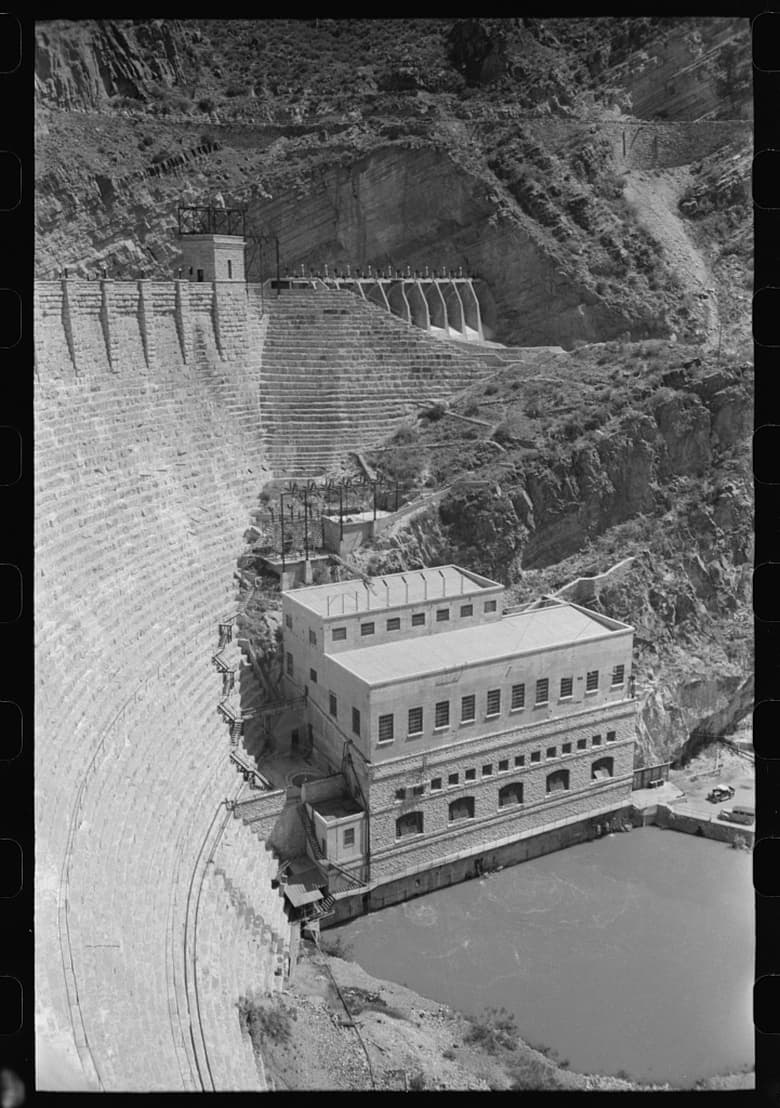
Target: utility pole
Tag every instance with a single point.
(306, 524)
(281, 525)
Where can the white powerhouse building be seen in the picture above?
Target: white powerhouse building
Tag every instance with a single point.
(459, 729)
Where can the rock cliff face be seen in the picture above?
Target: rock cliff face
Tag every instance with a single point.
(84, 65)
(664, 478)
(484, 143)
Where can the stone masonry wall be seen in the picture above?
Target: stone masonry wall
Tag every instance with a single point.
(441, 839)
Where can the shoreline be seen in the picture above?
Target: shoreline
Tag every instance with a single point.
(397, 1039)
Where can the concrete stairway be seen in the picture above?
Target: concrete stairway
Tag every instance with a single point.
(340, 374)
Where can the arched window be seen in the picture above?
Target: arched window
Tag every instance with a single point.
(558, 781)
(510, 794)
(410, 823)
(602, 768)
(462, 808)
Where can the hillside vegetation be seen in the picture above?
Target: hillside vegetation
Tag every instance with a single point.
(503, 145)
(593, 172)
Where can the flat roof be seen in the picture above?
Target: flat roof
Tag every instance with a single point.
(524, 633)
(335, 807)
(298, 894)
(391, 591)
(367, 516)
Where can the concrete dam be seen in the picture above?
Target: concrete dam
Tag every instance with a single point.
(161, 409)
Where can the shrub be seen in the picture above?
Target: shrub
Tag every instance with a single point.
(533, 1074)
(434, 413)
(573, 428)
(491, 389)
(361, 1000)
(495, 1028)
(503, 433)
(417, 1082)
(264, 1023)
(404, 436)
(206, 104)
(335, 946)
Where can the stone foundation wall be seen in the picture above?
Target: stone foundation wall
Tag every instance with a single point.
(468, 865)
(451, 841)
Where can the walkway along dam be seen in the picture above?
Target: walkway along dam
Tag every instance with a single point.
(161, 409)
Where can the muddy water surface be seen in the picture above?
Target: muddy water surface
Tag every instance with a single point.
(633, 953)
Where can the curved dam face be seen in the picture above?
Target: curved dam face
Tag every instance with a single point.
(158, 409)
(147, 461)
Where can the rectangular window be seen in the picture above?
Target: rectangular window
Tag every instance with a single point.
(566, 748)
(400, 794)
(312, 638)
(470, 775)
(618, 674)
(313, 676)
(366, 628)
(418, 619)
(596, 740)
(394, 624)
(542, 691)
(466, 610)
(582, 744)
(551, 752)
(289, 663)
(503, 765)
(536, 756)
(487, 771)
(493, 702)
(356, 721)
(567, 684)
(338, 634)
(468, 708)
(288, 621)
(490, 605)
(592, 680)
(442, 615)
(611, 736)
(418, 790)
(333, 705)
(518, 696)
(452, 779)
(349, 836)
(519, 759)
(415, 721)
(443, 714)
(386, 729)
(435, 784)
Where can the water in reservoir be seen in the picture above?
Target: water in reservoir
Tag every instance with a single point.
(633, 952)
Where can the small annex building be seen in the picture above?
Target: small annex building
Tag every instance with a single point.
(458, 726)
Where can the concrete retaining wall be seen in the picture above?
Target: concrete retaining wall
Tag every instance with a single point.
(706, 827)
(472, 862)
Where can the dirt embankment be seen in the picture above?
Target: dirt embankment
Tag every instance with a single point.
(395, 1039)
